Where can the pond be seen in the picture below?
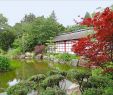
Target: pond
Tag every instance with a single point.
(24, 69)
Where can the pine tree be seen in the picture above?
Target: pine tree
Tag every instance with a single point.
(53, 16)
(87, 15)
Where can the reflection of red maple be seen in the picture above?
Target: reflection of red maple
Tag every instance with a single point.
(97, 48)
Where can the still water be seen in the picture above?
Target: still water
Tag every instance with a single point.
(24, 69)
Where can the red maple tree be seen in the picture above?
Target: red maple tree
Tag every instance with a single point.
(98, 47)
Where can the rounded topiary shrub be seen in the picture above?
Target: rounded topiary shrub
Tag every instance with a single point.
(22, 88)
(4, 63)
(53, 91)
(94, 91)
(37, 78)
(52, 81)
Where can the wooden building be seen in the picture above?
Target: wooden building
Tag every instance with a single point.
(64, 42)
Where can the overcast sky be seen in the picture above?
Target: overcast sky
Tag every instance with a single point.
(66, 10)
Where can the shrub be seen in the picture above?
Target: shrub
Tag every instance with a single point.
(12, 53)
(52, 81)
(21, 88)
(4, 63)
(97, 72)
(39, 49)
(2, 52)
(108, 91)
(99, 85)
(54, 72)
(98, 91)
(93, 91)
(79, 76)
(64, 57)
(53, 91)
(37, 78)
(100, 81)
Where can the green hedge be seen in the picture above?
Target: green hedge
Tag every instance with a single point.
(4, 63)
(66, 56)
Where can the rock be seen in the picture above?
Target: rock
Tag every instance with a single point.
(27, 57)
(74, 62)
(52, 58)
(39, 56)
(82, 61)
(45, 57)
(32, 54)
(62, 62)
(28, 54)
(22, 56)
(73, 89)
(56, 60)
(65, 84)
(69, 87)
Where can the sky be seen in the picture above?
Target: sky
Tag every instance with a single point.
(66, 10)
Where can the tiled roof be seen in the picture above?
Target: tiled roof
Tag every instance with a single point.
(73, 35)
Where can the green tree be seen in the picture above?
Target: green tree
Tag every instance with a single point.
(3, 21)
(28, 18)
(74, 28)
(6, 39)
(18, 30)
(53, 16)
(22, 28)
(6, 34)
(32, 31)
(44, 28)
(25, 25)
(87, 15)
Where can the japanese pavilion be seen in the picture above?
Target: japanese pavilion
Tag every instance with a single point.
(64, 42)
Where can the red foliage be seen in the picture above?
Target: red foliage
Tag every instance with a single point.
(99, 51)
(39, 49)
(108, 70)
(87, 21)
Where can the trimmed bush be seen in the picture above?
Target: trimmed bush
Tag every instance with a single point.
(99, 85)
(2, 52)
(37, 78)
(53, 91)
(93, 91)
(21, 88)
(52, 81)
(4, 63)
(97, 72)
(64, 57)
(108, 91)
(54, 72)
(79, 76)
(13, 53)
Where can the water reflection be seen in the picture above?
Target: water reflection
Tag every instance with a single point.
(15, 81)
(24, 71)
